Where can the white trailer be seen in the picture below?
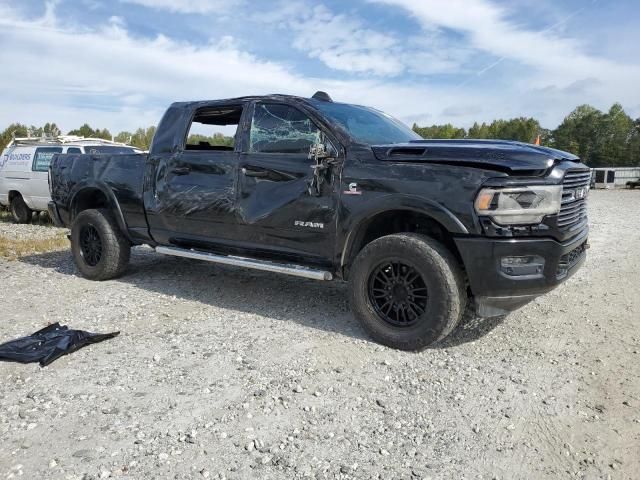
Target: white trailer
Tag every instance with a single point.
(615, 177)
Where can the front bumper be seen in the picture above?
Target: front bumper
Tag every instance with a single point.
(497, 292)
(54, 214)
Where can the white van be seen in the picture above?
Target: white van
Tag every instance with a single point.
(24, 169)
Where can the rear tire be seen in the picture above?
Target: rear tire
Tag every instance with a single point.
(407, 291)
(19, 210)
(99, 248)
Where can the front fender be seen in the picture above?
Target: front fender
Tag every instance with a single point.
(358, 223)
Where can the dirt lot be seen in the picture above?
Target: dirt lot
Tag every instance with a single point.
(227, 373)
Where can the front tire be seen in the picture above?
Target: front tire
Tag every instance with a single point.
(19, 210)
(99, 248)
(407, 291)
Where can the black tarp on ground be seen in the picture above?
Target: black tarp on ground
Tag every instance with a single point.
(49, 344)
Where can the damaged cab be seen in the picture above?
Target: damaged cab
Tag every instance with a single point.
(421, 229)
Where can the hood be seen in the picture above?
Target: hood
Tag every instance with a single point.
(494, 154)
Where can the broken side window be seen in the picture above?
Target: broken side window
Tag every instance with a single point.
(281, 129)
(214, 128)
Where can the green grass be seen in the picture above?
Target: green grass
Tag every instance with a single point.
(12, 249)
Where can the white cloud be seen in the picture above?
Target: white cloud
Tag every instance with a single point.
(539, 63)
(65, 69)
(188, 6)
(488, 28)
(344, 44)
(111, 78)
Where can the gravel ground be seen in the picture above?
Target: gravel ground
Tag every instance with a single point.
(228, 373)
(40, 229)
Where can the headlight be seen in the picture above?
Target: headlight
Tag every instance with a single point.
(519, 205)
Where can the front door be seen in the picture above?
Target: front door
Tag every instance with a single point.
(275, 208)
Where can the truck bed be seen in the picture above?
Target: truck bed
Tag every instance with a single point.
(119, 177)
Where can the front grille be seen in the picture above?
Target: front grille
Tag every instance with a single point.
(568, 260)
(573, 212)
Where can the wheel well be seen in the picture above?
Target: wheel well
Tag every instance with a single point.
(88, 198)
(401, 221)
(13, 194)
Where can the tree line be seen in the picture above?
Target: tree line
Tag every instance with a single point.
(140, 138)
(599, 138)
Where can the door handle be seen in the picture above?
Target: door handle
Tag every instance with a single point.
(181, 170)
(255, 173)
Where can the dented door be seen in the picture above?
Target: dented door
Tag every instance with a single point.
(193, 197)
(275, 207)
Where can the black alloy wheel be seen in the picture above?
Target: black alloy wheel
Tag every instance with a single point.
(90, 245)
(100, 249)
(398, 293)
(407, 290)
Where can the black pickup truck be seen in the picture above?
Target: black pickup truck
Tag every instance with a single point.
(421, 229)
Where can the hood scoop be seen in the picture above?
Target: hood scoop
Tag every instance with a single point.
(407, 151)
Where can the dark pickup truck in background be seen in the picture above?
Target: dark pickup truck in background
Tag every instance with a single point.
(420, 229)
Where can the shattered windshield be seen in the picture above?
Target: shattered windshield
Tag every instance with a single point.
(367, 125)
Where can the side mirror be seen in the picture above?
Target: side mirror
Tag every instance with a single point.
(319, 151)
(322, 149)
(324, 156)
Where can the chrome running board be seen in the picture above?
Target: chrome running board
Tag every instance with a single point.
(289, 269)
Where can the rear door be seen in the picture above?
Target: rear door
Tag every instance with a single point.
(192, 196)
(275, 208)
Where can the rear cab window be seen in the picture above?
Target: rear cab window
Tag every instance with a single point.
(42, 158)
(214, 128)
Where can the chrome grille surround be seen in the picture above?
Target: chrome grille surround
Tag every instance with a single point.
(573, 210)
